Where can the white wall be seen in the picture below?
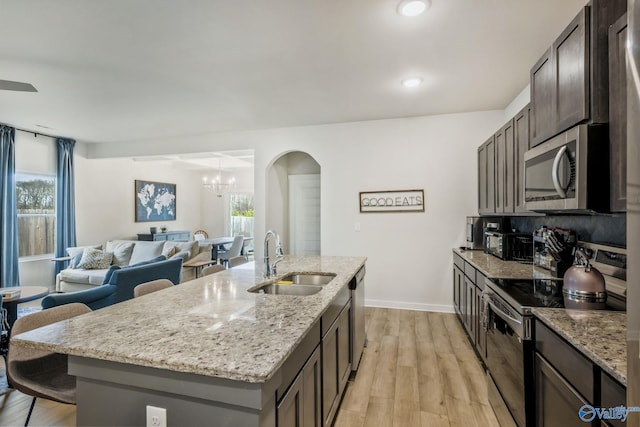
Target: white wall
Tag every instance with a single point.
(409, 254)
(517, 104)
(105, 198)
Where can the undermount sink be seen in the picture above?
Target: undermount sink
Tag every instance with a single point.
(308, 279)
(275, 289)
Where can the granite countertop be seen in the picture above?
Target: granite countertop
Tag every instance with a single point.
(208, 326)
(599, 335)
(494, 267)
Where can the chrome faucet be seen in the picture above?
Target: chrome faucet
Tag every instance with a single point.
(270, 268)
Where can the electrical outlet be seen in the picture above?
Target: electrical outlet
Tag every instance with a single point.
(356, 226)
(156, 417)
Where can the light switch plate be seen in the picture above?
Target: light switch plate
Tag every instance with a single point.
(356, 226)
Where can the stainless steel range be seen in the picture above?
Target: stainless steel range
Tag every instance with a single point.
(508, 320)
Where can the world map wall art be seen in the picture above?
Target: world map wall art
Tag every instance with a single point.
(155, 201)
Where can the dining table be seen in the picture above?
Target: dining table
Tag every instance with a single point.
(218, 244)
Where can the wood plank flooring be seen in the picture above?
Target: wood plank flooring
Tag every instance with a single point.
(418, 370)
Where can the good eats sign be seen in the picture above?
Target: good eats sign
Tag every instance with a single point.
(392, 201)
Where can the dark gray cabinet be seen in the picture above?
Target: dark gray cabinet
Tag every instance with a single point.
(570, 83)
(557, 402)
(565, 380)
(618, 115)
(521, 126)
(336, 362)
(505, 163)
(301, 405)
(542, 82)
(468, 284)
(486, 177)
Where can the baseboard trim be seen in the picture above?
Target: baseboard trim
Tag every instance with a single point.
(409, 306)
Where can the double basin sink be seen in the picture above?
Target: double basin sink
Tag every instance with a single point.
(298, 284)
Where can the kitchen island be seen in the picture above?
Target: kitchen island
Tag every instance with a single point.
(205, 350)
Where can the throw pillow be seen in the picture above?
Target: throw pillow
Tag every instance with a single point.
(75, 253)
(94, 259)
(169, 251)
(121, 252)
(192, 246)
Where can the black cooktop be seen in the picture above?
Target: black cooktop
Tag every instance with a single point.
(532, 292)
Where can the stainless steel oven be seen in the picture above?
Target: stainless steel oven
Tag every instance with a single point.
(569, 172)
(509, 370)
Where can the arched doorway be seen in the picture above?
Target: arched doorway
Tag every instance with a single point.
(293, 202)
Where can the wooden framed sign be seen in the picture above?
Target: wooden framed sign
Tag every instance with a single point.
(392, 201)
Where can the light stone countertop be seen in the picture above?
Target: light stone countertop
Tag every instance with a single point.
(600, 335)
(208, 326)
(494, 267)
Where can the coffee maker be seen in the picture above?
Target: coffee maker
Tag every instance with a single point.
(477, 225)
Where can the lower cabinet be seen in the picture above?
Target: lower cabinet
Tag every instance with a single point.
(301, 405)
(468, 284)
(557, 402)
(566, 380)
(336, 364)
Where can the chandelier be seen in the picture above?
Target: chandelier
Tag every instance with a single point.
(216, 185)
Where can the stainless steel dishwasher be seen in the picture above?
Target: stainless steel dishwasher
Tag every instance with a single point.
(358, 337)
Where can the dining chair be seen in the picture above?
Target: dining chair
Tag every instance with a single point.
(234, 251)
(200, 235)
(212, 269)
(237, 260)
(40, 373)
(152, 286)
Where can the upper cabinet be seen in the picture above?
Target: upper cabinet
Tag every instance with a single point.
(500, 168)
(521, 126)
(570, 82)
(618, 115)
(487, 177)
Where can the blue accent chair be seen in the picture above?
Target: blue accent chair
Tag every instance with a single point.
(119, 283)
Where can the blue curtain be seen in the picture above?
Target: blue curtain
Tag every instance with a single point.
(65, 200)
(8, 214)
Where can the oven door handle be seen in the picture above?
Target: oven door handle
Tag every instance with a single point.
(514, 323)
(555, 173)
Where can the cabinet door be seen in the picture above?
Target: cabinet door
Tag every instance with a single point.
(312, 391)
(557, 402)
(500, 166)
(289, 410)
(542, 84)
(618, 114)
(486, 177)
(336, 364)
(458, 284)
(481, 333)
(509, 168)
(470, 309)
(571, 58)
(344, 349)
(521, 145)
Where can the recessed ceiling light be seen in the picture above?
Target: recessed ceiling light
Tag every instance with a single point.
(412, 82)
(413, 7)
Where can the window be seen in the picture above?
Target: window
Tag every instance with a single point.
(36, 204)
(241, 213)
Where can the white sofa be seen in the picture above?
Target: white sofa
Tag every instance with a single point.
(126, 252)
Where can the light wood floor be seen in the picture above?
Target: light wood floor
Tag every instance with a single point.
(418, 369)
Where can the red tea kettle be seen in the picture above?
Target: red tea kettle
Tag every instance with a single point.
(584, 286)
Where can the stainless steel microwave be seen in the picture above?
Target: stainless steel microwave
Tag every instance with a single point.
(569, 172)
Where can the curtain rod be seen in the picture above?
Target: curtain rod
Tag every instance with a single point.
(35, 134)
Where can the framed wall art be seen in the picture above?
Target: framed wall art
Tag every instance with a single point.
(155, 201)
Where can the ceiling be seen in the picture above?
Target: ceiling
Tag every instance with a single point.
(137, 70)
